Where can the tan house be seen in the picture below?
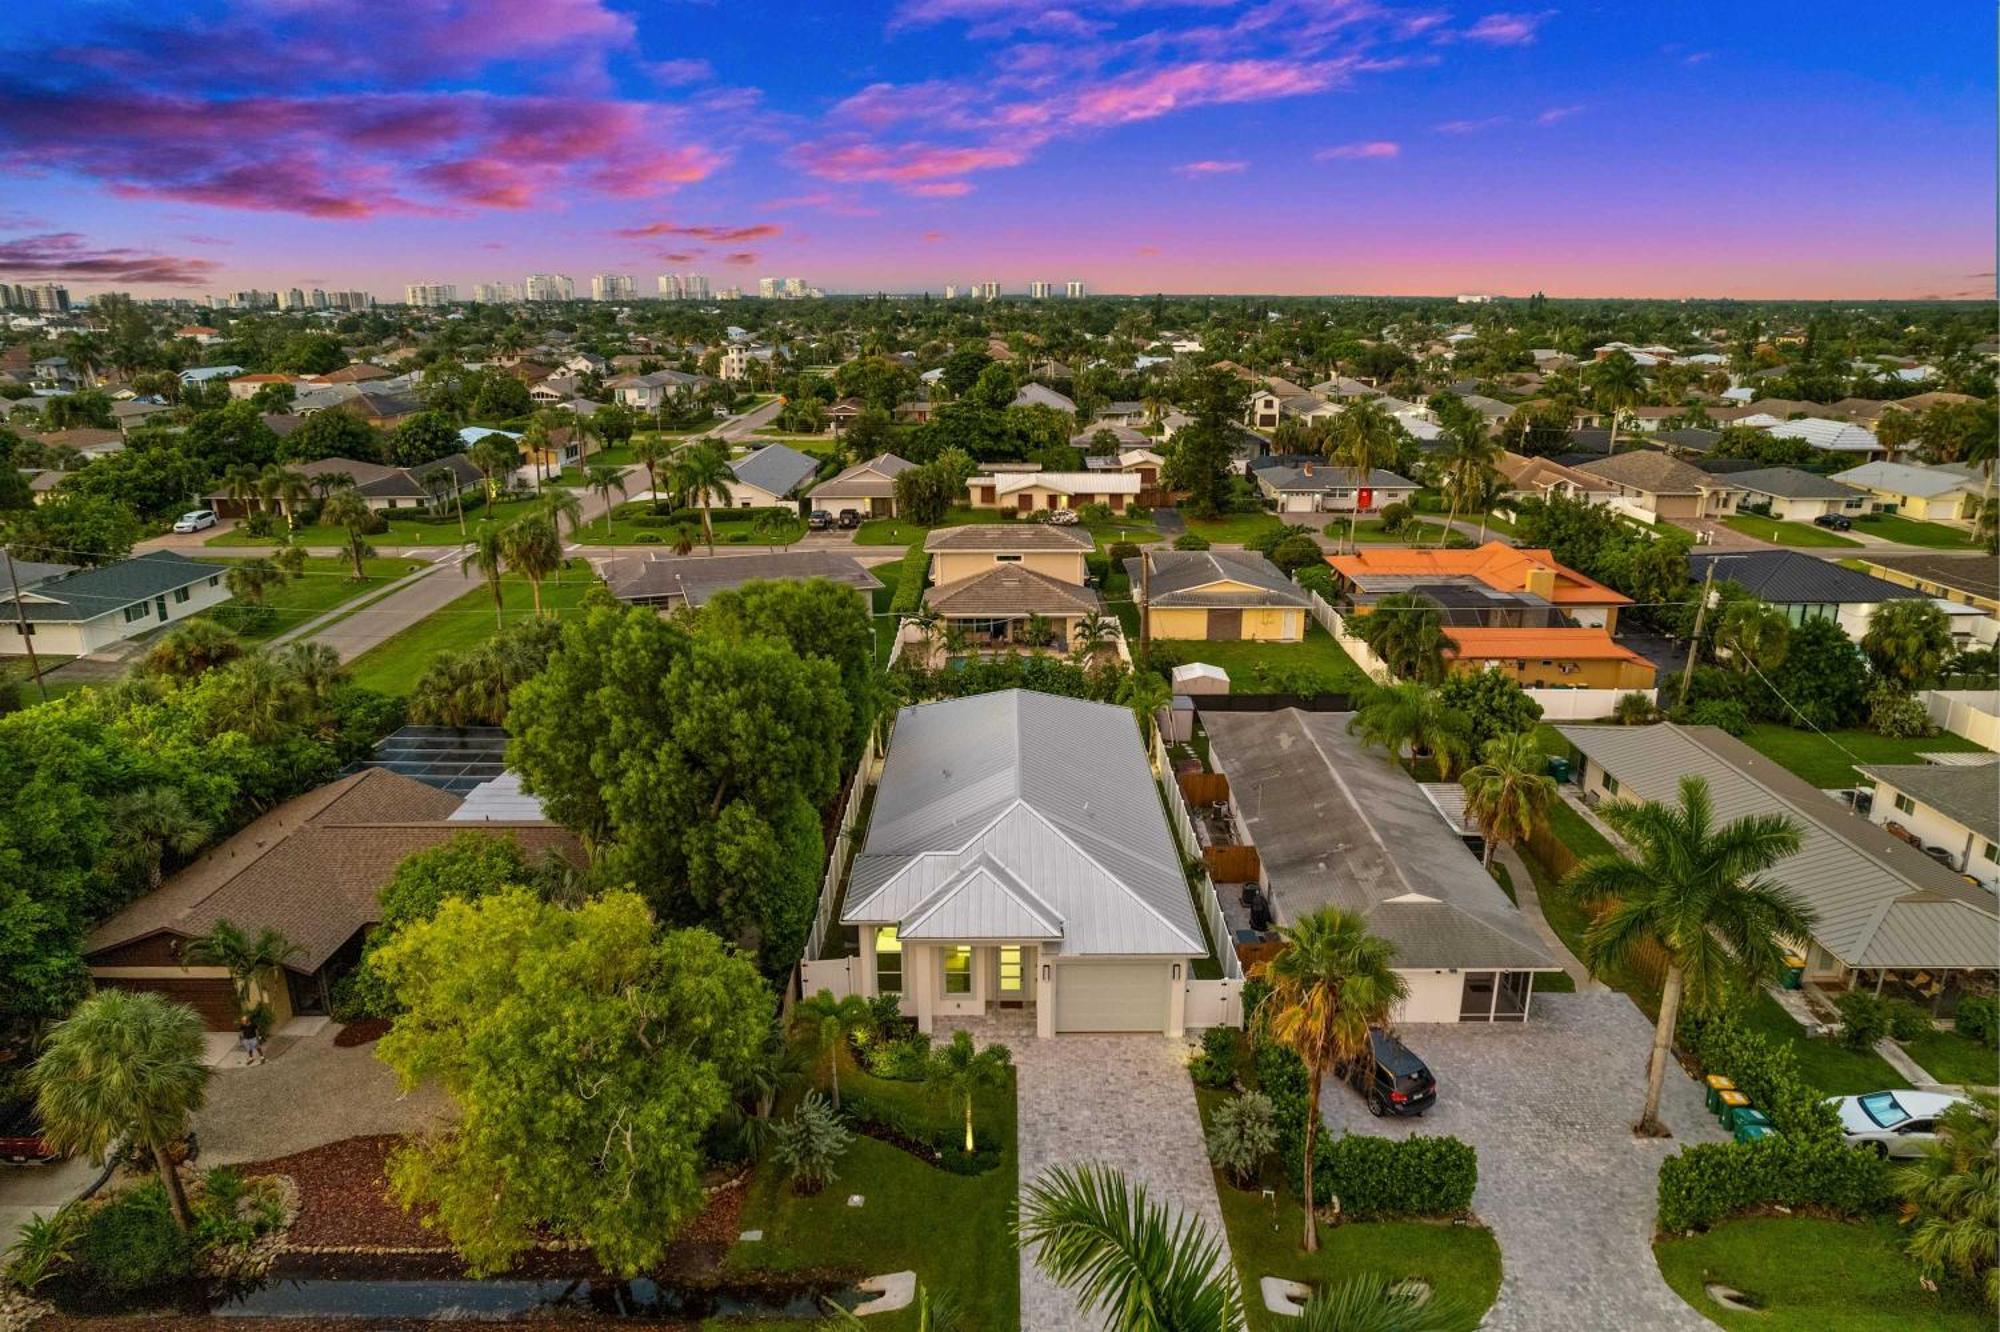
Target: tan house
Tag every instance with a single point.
(958, 553)
(996, 579)
(1552, 658)
(1653, 486)
(1543, 478)
(867, 488)
(1028, 492)
(1217, 595)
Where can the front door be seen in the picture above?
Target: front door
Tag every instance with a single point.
(1225, 626)
(160, 603)
(1013, 978)
(1024, 503)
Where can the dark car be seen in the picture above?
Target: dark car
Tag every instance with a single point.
(849, 520)
(1391, 1079)
(21, 1133)
(819, 520)
(1836, 521)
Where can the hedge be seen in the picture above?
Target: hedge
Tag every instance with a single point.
(910, 584)
(1768, 1074)
(1707, 1183)
(1415, 1176)
(1978, 1018)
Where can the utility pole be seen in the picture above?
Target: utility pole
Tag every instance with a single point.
(21, 624)
(1145, 597)
(1694, 643)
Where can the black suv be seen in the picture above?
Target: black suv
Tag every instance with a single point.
(849, 520)
(1393, 1081)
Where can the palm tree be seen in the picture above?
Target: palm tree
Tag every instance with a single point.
(192, 647)
(562, 506)
(488, 555)
(1406, 630)
(1509, 793)
(345, 508)
(249, 580)
(958, 1072)
(441, 484)
(1145, 693)
(1952, 1193)
(1412, 717)
(772, 528)
(126, 1066)
(702, 472)
(1466, 460)
(1697, 895)
(315, 666)
(652, 451)
(1376, 1302)
(265, 697)
(1132, 1261)
(241, 483)
(533, 550)
(834, 1020)
(1093, 631)
(494, 455)
(242, 955)
(289, 488)
(601, 479)
(147, 825)
(1331, 982)
(1908, 641)
(1616, 383)
(1364, 437)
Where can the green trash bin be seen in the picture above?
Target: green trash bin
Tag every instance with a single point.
(1752, 1132)
(1559, 769)
(1717, 1084)
(1794, 973)
(1750, 1124)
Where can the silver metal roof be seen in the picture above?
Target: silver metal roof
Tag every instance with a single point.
(1020, 815)
(1879, 901)
(1337, 824)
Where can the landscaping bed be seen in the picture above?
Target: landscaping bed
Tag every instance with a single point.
(342, 1197)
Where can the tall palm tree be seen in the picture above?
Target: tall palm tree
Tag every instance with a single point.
(149, 824)
(834, 1020)
(1093, 631)
(1330, 983)
(1616, 382)
(288, 487)
(494, 455)
(345, 508)
(489, 557)
(533, 550)
(1699, 895)
(249, 580)
(315, 666)
(244, 956)
(1406, 630)
(1412, 717)
(1364, 437)
(562, 506)
(441, 484)
(958, 1072)
(192, 647)
(652, 452)
(265, 697)
(1466, 460)
(603, 480)
(126, 1066)
(241, 483)
(1509, 793)
(1952, 1193)
(702, 472)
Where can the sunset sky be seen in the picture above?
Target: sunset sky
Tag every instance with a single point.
(1620, 149)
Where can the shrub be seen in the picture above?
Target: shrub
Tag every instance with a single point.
(1281, 1075)
(1978, 1018)
(1863, 1019)
(1316, 578)
(1215, 1066)
(131, 1243)
(1726, 713)
(231, 1212)
(1707, 1183)
(1094, 513)
(885, 1014)
(648, 539)
(43, 1245)
(910, 580)
(1395, 517)
(1120, 552)
(941, 1144)
(901, 1060)
(1898, 715)
(1242, 1134)
(1766, 1073)
(1190, 541)
(1415, 1176)
(1296, 552)
(1907, 1021)
(810, 1143)
(1634, 709)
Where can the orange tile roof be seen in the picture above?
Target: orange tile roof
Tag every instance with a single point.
(1496, 564)
(1553, 644)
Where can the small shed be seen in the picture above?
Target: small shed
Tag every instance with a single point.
(1198, 677)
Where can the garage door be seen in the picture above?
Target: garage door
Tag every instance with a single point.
(213, 999)
(1112, 996)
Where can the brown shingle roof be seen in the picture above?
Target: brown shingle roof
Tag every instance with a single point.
(1010, 589)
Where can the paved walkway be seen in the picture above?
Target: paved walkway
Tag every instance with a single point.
(1569, 1192)
(1530, 903)
(310, 1093)
(1123, 1101)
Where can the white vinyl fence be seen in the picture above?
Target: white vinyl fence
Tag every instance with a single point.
(1560, 705)
(865, 775)
(1331, 621)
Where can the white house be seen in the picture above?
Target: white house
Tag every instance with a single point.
(1795, 495)
(83, 611)
(1953, 808)
(770, 477)
(1322, 488)
(1018, 857)
(648, 393)
(1922, 493)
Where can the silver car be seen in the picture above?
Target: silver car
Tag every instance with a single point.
(1894, 1123)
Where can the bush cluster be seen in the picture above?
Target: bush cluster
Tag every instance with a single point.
(910, 584)
(1867, 1018)
(1215, 1066)
(132, 1243)
(1711, 1181)
(1414, 1176)
(1978, 1019)
(1766, 1073)
(939, 1144)
(901, 1060)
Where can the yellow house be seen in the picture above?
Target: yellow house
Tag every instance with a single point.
(1216, 595)
(1927, 494)
(1551, 658)
(958, 553)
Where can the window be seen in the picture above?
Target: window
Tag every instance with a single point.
(1010, 967)
(888, 961)
(215, 580)
(135, 612)
(958, 970)
(1991, 853)
(181, 594)
(1610, 784)
(1904, 804)
(1006, 559)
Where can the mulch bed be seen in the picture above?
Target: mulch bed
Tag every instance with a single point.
(342, 1196)
(362, 1032)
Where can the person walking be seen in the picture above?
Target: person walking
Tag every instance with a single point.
(252, 1043)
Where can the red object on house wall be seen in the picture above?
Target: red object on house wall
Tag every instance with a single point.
(1365, 498)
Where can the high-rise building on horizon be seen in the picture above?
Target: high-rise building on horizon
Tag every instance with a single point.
(496, 293)
(292, 299)
(319, 301)
(611, 287)
(549, 287)
(989, 291)
(951, 291)
(1038, 291)
(1073, 289)
(41, 297)
(670, 287)
(430, 294)
(694, 286)
(767, 288)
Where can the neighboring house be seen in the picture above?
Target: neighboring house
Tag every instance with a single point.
(1803, 587)
(1551, 658)
(998, 606)
(80, 612)
(652, 392)
(867, 488)
(1515, 577)
(1337, 823)
(201, 374)
(90, 441)
(958, 553)
(1652, 486)
(1494, 411)
(310, 869)
(1831, 436)
(1322, 488)
(1029, 491)
(1121, 414)
(770, 477)
(138, 412)
(1124, 436)
(1040, 395)
(1017, 856)
(382, 409)
(1927, 494)
(1222, 596)
(844, 414)
(244, 387)
(1952, 580)
(1953, 808)
(1794, 495)
(1885, 912)
(382, 486)
(55, 374)
(553, 390)
(1144, 462)
(356, 372)
(672, 582)
(1544, 478)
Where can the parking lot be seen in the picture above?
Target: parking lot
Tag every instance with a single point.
(1566, 1188)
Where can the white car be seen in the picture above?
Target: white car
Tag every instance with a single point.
(195, 521)
(1062, 517)
(1894, 1123)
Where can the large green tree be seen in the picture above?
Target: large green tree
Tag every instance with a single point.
(1908, 642)
(815, 618)
(1198, 460)
(588, 1054)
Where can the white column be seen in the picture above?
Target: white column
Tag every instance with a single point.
(1045, 997)
(866, 985)
(1177, 999)
(920, 974)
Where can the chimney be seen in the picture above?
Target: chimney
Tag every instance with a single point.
(1541, 581)
(1309, 469)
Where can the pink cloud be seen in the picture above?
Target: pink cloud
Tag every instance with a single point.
(1508, 29)
(1147, 251)
(840, 205)
(1470, 126)
(905, 164)
(719, 235)
(679, 73)
(1556, 114)
(1199, 83)
(938, 189)
(1210, 167)
(1375, 149)
(741, 258)
(65, 254)
(931, 237)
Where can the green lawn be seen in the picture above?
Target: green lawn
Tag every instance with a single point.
(1950, 1057)
(326, 583)
(1416, 532)
(901, 531)
(1316, 663)
(1234, 529)
(1820, 760)
(1807, 1274)
(1825, 1063)
(1782, 533)
(1461, 1263)
(1568, 917)
(394, 666)
(951, 1230)
(1914, 532)
(405, 529)
(630, 521)
(1546, 982)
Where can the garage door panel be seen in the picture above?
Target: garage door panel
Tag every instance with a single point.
(214, 1000)
(1112, 996)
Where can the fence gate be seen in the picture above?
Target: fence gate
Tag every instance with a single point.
(1233, 864)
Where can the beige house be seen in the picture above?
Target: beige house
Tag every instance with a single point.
(1012, 583)
(1029, 492)
(958, 553)
(1218, 595)
(1927, 494)
(1653, 486)
(1953, 808)
(868, 488)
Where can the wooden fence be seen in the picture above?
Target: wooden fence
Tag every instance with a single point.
(1232, 864)
(1203, 788)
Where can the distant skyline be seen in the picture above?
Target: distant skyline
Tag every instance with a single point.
(1783, 151)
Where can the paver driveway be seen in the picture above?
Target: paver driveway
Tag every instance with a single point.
(1123, 1101)
(1568, 1191)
